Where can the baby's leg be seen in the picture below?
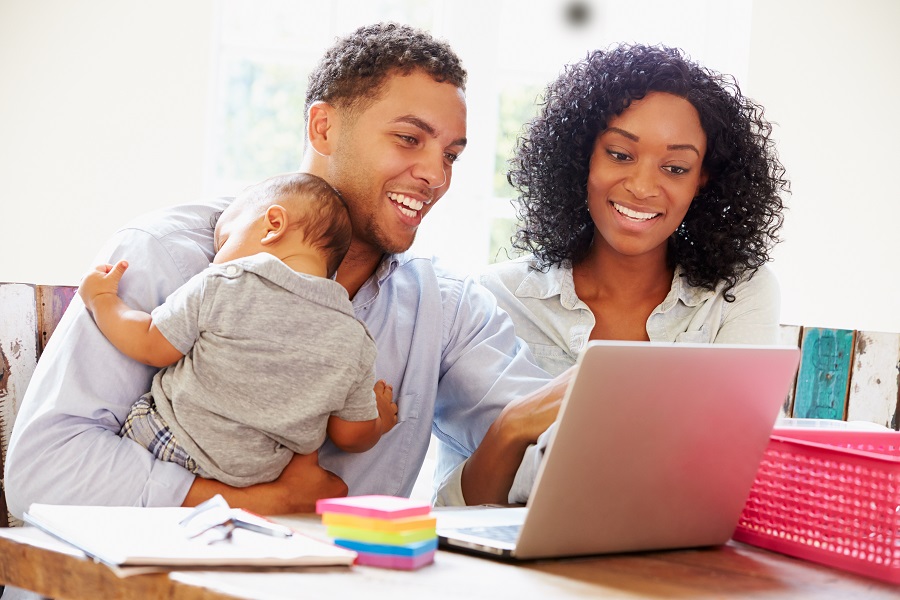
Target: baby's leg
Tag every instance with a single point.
(146, 426)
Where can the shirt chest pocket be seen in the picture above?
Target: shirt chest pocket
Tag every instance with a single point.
(407, 407)
(551, 357)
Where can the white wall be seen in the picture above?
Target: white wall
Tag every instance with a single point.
(103, 108)
(826, 71)
(102, 117)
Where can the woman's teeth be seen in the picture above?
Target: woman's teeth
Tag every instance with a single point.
(633, 214)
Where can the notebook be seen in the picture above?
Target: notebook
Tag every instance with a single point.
(656, 447)
(130, 539)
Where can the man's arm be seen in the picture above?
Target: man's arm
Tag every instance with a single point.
(296, 490)
(65, 447)
(131, 331)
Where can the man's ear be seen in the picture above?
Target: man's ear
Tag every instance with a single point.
(276, 223)
(322, 127)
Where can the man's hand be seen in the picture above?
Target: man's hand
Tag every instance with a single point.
(387, 408)
(296, 490)
(103, 279)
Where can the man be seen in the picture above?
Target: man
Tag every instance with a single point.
(386, 119)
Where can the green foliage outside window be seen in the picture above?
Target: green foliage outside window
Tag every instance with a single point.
(518, 104)
(263, 120)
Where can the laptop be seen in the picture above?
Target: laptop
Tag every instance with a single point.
(656, 447)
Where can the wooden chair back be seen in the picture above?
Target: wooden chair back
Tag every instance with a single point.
(28, 316)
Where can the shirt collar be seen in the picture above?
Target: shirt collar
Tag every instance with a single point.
(389, 264)
(558, 281)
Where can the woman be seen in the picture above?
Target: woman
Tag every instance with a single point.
(649, 201)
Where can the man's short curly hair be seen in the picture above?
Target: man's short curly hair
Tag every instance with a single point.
(733, 222)
(354, 70)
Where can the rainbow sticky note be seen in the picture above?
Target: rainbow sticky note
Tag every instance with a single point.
(385, 531)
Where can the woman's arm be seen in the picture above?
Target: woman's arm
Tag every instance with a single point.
(489, 473)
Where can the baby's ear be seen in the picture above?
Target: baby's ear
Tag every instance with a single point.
(276, 222)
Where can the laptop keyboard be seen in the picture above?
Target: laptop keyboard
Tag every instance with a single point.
(501, 533)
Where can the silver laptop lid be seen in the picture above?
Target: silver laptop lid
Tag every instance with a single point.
(656, 447)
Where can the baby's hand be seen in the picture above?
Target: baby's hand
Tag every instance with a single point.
(387, 408)
(104, 279)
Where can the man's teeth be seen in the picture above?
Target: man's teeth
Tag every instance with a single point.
(408, 206)
(633, 213)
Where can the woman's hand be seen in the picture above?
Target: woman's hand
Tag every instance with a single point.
(489, 472)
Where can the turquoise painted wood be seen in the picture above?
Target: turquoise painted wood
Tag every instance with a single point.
(824, 376)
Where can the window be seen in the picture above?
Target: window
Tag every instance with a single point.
(511, 49)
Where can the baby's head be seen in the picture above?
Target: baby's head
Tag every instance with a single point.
(284, 214)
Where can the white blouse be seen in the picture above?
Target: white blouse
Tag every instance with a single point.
(556, 324)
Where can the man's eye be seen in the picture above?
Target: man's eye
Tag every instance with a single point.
(451, 157)
(408, 139)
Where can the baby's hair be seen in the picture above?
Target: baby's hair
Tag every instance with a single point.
(317, 210)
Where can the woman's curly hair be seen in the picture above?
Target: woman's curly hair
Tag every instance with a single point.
(353, 71)
(733, 222)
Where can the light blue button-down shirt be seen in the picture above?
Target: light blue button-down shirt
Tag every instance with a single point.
(452, 357)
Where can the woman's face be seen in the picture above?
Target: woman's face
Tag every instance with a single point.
(645, 170)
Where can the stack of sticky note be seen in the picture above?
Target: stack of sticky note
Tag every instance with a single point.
(384, 531)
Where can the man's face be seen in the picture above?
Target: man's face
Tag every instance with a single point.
(394, 159)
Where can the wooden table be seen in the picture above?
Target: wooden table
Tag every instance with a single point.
(731, 571)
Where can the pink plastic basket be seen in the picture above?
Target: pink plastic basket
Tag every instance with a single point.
(829, 496)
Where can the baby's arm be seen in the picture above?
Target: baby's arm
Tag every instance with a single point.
(131, 331)
(359, 436)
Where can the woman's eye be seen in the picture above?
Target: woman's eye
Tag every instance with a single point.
(408, 139)
(619, 156)
(675, 170)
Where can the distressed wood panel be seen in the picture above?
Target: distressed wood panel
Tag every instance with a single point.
(18, 358)
(875, 382)
(789, 335)
(53, 300)
(824, 375)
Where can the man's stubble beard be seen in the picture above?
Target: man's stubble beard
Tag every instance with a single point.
(365, 207)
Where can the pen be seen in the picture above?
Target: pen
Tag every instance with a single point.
(269, 528)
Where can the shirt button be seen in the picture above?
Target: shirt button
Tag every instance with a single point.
(231, 270)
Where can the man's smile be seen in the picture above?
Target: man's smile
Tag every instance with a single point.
(408, 205)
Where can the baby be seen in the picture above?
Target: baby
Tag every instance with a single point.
(261, 354)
